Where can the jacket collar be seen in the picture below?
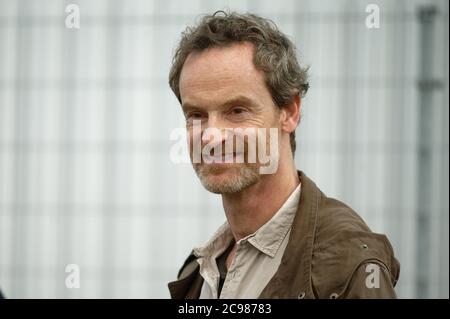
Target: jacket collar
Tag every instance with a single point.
(291, 273)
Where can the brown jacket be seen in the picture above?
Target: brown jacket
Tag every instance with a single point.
(331, 253)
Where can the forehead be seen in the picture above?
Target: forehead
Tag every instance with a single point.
(215, 74)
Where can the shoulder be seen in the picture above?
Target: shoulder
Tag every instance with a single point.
(344, 246)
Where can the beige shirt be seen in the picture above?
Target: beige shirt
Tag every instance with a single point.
(257, 257)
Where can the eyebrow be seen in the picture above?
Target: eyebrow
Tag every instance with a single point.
(239, 99)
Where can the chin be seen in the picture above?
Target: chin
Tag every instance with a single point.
(226, 178)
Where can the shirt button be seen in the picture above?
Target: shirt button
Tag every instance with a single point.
(301, 295)
(334, 295)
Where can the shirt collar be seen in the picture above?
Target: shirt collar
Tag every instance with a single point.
(267, 238)
(217, 244)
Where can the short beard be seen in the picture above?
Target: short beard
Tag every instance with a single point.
(244, 175)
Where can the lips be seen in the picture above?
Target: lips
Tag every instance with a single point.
(224, 158)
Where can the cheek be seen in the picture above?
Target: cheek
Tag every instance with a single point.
(193, 134)
(190, 141)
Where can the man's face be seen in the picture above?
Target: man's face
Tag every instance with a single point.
(221, 88)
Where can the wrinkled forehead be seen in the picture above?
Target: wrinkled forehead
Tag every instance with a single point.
(221, 71)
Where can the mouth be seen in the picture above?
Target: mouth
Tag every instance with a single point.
(227, 158)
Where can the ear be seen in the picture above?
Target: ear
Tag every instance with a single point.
(290, 115)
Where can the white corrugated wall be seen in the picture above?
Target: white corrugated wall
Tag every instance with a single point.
(86, 116)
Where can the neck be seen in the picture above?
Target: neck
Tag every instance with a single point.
(254, 206)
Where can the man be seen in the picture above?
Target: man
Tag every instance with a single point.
(283, 237)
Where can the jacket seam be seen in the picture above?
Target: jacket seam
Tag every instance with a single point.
(314, 224)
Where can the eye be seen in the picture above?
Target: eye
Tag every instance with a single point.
(237, 110)
(193, 115)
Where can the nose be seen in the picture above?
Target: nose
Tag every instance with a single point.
(214, 130)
